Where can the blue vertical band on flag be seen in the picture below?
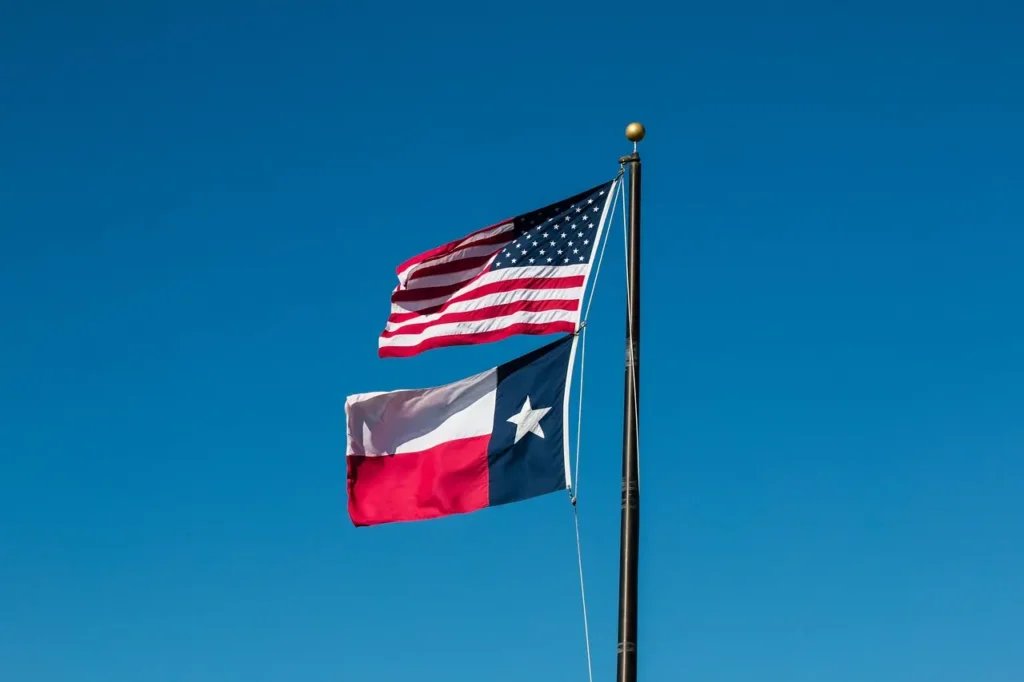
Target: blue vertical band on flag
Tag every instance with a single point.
(528, 452)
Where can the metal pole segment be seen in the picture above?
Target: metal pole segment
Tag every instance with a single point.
(629, 538)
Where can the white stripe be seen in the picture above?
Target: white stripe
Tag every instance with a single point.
(526, 272)
(487, 234)
(488, 325)
(411, 420)
(500, 298)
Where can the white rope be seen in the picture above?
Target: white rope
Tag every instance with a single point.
(579, 435)
(575, 509)
(583, 347)
(579, 415)
(583, 593)
(600, 258)
(632, 341)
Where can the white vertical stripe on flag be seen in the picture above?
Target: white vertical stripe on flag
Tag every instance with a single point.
(412, 420)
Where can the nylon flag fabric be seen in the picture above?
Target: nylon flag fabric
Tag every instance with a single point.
(498, 437)
(526, 275)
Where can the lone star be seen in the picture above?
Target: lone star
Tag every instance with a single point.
(528, 420)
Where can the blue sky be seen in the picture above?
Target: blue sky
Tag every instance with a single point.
(201, 209)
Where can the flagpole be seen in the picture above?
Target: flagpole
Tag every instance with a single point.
(629, 538)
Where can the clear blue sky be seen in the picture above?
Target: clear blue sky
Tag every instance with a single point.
(201, 209)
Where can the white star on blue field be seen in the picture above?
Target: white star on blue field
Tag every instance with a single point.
(566, 238)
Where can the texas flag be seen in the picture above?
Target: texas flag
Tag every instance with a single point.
(498, 437)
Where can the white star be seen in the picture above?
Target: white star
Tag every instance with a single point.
(549, 259)
(590, 201)
(528, 420)
(579, 210)
(545, 235)
(542, 252)
(513, 260)
(535, 243)
(531, 260)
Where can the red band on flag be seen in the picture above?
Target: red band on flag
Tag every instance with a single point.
(450, 478)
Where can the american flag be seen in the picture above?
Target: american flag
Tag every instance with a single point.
(525, 275)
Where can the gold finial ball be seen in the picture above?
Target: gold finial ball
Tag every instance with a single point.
(635, 132)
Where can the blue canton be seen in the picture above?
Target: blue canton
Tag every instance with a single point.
(560, 234)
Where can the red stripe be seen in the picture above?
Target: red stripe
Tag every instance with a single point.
(487, 313)
(480, 337)
(450, 478)
(448, 248)
(530, 283)
(448, 268)
(427, 293)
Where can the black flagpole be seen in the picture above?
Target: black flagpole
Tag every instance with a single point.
(629, 538)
